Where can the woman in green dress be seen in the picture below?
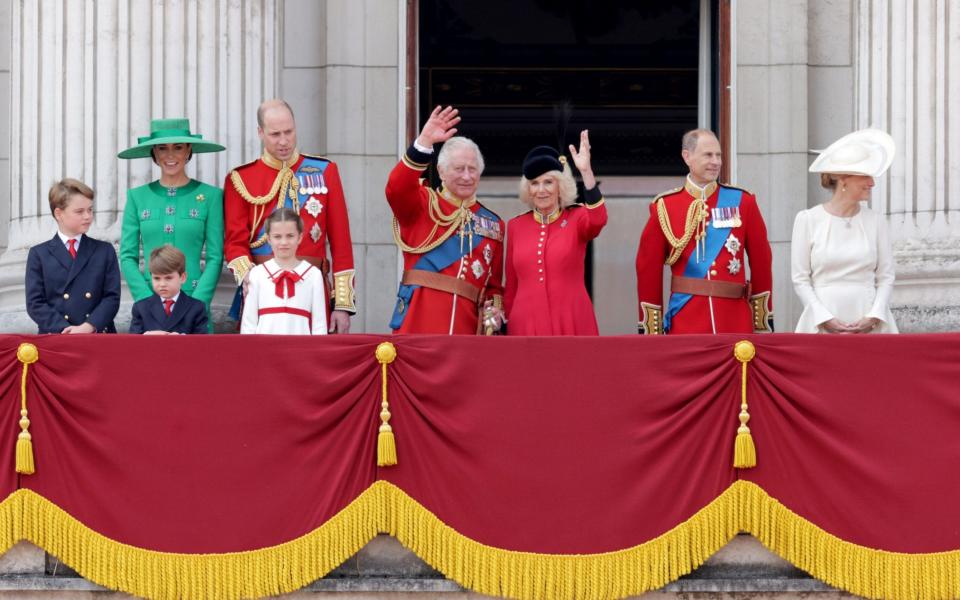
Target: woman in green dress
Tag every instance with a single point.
(173, 210)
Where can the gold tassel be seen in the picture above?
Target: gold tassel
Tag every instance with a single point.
(744, 452)
(386, 444)
(27, 354)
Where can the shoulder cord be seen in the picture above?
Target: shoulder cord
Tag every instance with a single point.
(696, 214)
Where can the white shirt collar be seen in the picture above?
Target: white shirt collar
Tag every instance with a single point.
(66, 239)
(175, 298)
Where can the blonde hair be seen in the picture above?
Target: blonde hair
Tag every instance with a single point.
(61, 191)
(828, 181)
(566, 184)
(167, 259)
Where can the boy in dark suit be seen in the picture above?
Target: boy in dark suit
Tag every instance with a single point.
(73, 281)
(167, 310)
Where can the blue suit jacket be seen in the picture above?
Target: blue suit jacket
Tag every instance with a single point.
(64, 291)
(189, 315)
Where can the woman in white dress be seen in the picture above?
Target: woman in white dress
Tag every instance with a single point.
(841, 261)
(286, 295)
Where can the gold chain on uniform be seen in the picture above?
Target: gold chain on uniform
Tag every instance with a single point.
(285, 183)
(696, 214)
(454, 221)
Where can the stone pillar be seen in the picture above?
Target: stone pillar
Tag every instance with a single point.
(341, 63)
(86, 79)
(907, 83)
(771, 127)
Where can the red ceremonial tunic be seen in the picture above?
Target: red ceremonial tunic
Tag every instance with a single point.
(326, 220)
(431, 310)
(545, 292)
(729, 315)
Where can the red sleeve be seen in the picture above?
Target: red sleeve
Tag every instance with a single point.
(757, 246)
(510, 290)
(650, 258)
(404, 188)
(592, 222)
(338, 222)
(236, 229)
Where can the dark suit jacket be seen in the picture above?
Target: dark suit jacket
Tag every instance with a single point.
(189, 315)
(64, 291)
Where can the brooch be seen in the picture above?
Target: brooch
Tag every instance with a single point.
(313, 207)
(733, 267)
(200, 198)
(477, 268)
(732, 244)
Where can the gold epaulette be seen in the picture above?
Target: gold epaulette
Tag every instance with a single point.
(668, 193)
(316, 157)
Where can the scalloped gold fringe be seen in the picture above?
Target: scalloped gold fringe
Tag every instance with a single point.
(384, 507)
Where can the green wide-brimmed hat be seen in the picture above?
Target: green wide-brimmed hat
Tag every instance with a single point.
(169, 131)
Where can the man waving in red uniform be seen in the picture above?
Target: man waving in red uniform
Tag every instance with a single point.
(310, 185)
(452, 245)
(705, 232)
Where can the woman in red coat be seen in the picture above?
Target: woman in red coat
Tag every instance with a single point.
(546, 247)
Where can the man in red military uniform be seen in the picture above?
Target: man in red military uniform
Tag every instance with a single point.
(308, 184)
(452, 245)
(705, 232)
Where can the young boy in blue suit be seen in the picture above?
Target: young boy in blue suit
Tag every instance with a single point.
(167, 310)
(72, 281)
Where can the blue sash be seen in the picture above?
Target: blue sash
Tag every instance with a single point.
(310, 166)
(728, 198)
(435, 261)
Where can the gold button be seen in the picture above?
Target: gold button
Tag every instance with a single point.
(66, 296)
(713, 272)
(88, 295)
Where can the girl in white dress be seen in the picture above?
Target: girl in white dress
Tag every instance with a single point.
(841, 260)
(286, 295)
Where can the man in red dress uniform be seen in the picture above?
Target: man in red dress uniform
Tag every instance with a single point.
(705, 232)
(452, 245)
(308, 184)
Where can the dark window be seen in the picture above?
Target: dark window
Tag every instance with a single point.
(628, 71)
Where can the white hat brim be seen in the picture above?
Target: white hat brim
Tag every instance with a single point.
(865, 152)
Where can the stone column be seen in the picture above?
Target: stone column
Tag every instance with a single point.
(86, 79)
(770, 154)
(907, 83)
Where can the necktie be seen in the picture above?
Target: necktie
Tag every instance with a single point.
(72, 247)
(168, 306)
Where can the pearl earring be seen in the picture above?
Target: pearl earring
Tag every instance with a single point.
(843, 189)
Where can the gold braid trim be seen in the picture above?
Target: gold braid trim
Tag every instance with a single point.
(696, 213)
(453, 221)
(383, 507)
(284, 184)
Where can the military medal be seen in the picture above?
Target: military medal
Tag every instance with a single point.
(313, 207)
(732, 244)
(315, 233)
(725, 217)
(477, 267)
(487, 253)
(323, 185)
(733, 267)
(304, 189)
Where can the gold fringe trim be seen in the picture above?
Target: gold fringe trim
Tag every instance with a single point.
(165, 575)
(383, 507)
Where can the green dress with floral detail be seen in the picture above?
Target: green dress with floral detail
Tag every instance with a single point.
(189, 218)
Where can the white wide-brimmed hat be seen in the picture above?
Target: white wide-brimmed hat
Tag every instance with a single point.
(865, 152)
